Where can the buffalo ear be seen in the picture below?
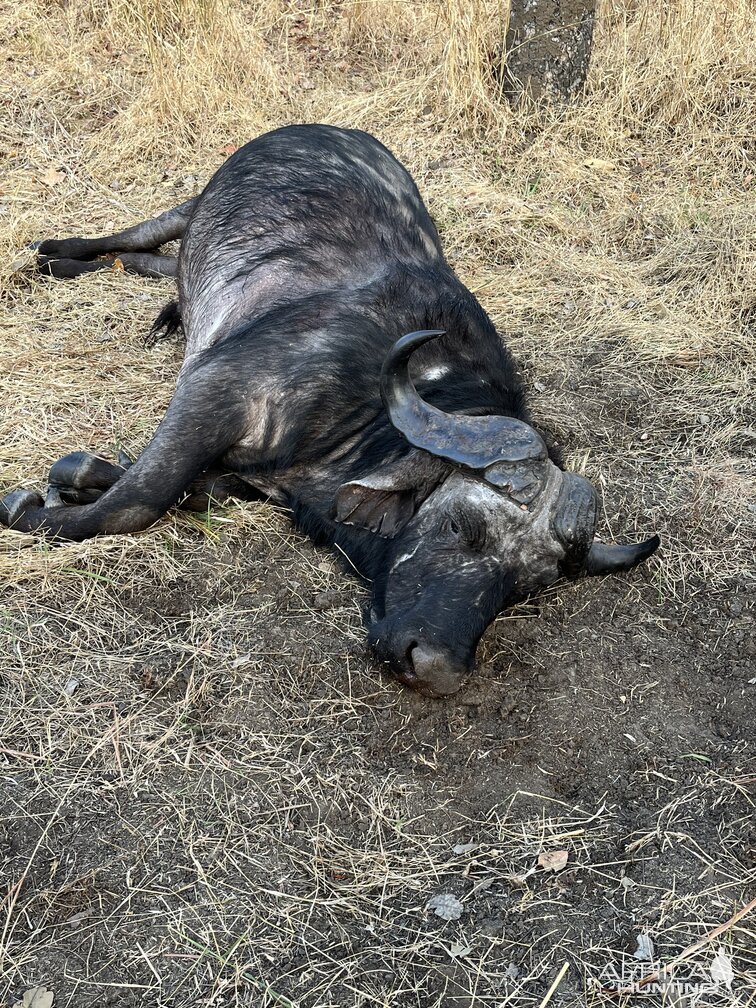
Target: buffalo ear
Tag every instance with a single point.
(385, 500)
(383, 511)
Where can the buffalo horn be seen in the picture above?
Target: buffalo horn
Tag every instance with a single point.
(475, 442)
(606, 558)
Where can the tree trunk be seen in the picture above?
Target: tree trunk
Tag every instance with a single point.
(548, 48)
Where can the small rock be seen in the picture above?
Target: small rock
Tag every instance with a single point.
(441, 162)
(325, 600)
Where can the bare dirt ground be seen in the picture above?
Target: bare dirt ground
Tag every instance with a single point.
(210, 793)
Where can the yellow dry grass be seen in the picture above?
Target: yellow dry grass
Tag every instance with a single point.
(613, 243)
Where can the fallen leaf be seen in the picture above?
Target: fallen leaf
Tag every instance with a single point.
(553, 860)
(446, 906)
(645, 950)
(521, 879)
(464, 848)
(459, 951)
(37, 997)
(721, 969)
(52, 177)
(599, 165)
(336, 875)
(484, 885)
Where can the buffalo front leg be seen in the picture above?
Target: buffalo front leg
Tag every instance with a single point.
(143, 237)
(206, 416)
(82, 478)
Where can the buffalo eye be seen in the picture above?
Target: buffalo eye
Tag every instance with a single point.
(451, 527)
(465, 529)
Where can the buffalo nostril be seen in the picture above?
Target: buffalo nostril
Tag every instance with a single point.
(408, 675)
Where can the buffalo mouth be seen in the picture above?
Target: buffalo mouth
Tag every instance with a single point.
(418, 660)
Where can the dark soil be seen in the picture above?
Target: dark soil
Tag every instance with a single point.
(605, 719)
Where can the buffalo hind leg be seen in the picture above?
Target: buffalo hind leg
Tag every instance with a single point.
(150, 234)
(204, 419)
(148, 264)
(82, 478)
(216, 487)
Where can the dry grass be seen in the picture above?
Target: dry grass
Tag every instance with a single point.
(212, 797)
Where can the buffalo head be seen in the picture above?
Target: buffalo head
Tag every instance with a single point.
(478, 516)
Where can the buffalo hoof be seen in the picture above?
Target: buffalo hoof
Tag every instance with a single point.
(15, 504)
(68, 269)
(67, 258)
(80, 478)
(64, 248)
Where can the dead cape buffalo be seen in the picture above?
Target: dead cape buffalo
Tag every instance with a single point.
(336, 364)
